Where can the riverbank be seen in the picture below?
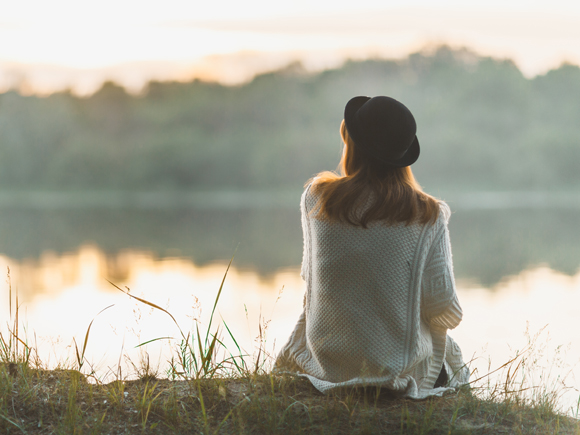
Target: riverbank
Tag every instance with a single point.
(34, 401)
(208, 388)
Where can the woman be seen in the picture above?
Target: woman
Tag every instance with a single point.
(377, 263)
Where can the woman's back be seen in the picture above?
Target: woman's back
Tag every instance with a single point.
(380, 293)
(363, 299)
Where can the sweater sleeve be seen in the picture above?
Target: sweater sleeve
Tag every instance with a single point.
(440, 306)
(305, 270)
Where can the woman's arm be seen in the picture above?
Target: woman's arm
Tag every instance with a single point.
(305, 270)
(440, 306)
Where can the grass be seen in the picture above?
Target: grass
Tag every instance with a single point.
(63, 402)
(236, 394)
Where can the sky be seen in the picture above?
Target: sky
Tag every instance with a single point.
(51, 45)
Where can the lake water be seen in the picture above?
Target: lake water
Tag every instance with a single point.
(516, 265)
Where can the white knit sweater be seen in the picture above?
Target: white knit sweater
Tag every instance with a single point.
(377, 307)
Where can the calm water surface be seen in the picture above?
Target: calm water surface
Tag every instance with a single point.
(517, 273)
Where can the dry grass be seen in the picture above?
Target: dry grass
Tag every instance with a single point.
(231, 395)
(62, 401)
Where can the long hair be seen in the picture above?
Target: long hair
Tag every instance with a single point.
(367, 191)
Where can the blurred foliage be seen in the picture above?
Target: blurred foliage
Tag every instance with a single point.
(481, 125)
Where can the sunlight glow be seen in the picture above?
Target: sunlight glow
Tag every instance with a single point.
(67, 293)
(51, 43)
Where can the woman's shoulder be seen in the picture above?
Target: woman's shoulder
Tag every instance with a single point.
(310, 189)
(444, 211)
(308, 196)
(442, 219)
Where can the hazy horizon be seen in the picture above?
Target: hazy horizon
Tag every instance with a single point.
(232, 69)
(50, 47)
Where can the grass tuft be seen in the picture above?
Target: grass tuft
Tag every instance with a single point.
(236, 394)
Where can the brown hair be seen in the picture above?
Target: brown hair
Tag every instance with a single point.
(377, 192)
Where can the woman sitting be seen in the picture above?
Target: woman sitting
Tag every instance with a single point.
(380, 292)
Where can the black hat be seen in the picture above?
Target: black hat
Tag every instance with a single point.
(383, 128)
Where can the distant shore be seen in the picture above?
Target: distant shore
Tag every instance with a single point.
(262, 199)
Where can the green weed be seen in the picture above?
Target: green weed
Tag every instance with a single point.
(204, 393)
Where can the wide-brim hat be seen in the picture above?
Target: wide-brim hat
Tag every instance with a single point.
(384, 129)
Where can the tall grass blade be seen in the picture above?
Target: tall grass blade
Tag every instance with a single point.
(496, 370)
(5, 349)
(203, 410)
(201, 352)
(232, 337)
(151, 341)
(9, 292)
(240, 354)
(227, 416)
(151, 304)
(18, 339)
(16, 322)
(81, 356)
(79, 360)
(218, 297)
(205, 348)
(13, 423)
(209, 354)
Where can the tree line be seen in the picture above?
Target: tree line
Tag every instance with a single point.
(481, 125)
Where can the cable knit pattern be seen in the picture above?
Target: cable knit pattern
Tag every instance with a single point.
(377, 307)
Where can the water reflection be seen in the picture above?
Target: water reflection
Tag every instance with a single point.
(61, 294)
(516, 268)
(538, 302)
(264, 240)
(488, 244)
